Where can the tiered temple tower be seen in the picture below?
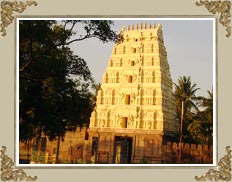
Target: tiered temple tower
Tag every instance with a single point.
(134, 114)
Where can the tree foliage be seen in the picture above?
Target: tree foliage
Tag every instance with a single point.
(197, 123)
(54, 94)
(185, 92)
(202, 127)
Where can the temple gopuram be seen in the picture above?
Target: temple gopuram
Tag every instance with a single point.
(134, 114)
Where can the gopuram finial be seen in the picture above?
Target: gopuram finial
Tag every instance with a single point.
(141, 26)
(145, 26)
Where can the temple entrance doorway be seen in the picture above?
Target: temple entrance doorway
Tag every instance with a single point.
(122, 150)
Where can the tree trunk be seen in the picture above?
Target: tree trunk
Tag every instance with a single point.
(28, 149)
(181, 126)
(58, 150)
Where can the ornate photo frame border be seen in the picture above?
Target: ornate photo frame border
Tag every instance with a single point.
(220, 8)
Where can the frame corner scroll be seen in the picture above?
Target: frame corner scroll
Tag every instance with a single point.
(224, 169)
(8, 171)
(7, 9)
(221, 7)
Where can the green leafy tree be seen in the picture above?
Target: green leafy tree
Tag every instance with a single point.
(54, 94)
(202, 127)
(40, 37)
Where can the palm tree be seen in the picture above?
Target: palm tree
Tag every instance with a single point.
(185, 91)
(185, 94)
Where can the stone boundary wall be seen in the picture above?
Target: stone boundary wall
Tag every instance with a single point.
(76, 146)
(191, 153)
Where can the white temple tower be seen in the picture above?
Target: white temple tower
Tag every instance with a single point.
(134, 114)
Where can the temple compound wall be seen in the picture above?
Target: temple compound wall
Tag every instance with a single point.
(146, 150)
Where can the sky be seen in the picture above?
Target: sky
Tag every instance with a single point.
(189, 45)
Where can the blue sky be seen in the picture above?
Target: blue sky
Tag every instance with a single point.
(189, 45)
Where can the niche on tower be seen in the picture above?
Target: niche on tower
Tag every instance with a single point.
(130, 79)
(127, 100)
(124, 122)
